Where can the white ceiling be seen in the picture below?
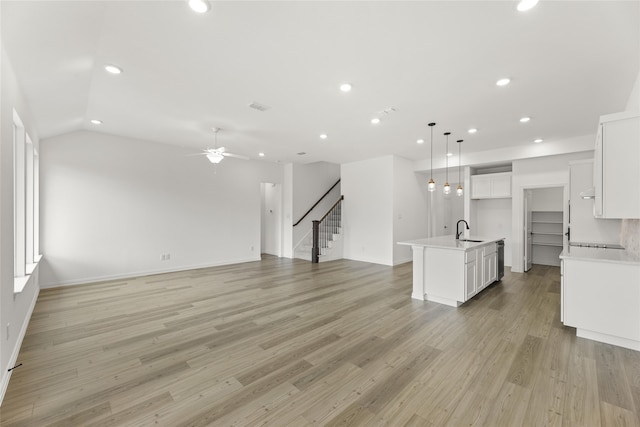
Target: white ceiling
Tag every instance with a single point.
(185, 73)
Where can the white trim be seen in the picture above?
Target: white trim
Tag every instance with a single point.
(6, 376)
(609, 339)
(130, 275)
(441, 300)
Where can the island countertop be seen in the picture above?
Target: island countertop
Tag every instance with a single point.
(450, 242)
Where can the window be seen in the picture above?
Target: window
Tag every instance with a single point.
(26, 205)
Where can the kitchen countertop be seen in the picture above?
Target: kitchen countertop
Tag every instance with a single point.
(620, 256)
(450, 242)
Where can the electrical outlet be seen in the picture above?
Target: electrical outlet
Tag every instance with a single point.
(8, 325)
(251, 248)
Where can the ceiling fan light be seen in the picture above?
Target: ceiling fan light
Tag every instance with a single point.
(215, 157)
(525, 5)
(199, 6)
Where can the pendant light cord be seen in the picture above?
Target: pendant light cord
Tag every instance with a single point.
(431, 125)
(446, 157)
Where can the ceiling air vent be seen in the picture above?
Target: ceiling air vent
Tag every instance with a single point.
(302, 153)
(259, 107)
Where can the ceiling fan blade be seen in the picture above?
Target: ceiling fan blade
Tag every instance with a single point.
(237, 156)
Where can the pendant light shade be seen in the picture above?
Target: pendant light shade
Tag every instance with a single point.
(432, 184)
(447, 187)
(459, 189)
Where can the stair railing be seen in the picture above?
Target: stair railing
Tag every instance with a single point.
(316, 203)
(325, 228)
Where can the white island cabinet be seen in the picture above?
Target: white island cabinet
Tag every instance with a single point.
(450, 271)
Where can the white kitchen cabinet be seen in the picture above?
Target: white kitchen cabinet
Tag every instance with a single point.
(450, 271)
(470, 279)
(615, 170)
(489, 268)
(491, 186)
(602, 300)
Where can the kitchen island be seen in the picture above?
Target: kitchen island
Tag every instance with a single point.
(451, 271)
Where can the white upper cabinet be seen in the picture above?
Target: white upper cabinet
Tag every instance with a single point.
(491, 186)
(616, 168)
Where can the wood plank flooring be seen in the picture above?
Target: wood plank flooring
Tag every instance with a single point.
(288, 343)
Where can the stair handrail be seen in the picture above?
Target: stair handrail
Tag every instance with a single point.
(331, 209)
(316, 203)
(315, 250)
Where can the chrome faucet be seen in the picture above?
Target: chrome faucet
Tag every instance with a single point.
(457, 225)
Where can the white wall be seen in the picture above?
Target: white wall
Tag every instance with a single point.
(409, 208)
(310, 183)
(384, 203)
(15, 309)
(367, 210)
(547, 199)
(633, 103)
(111, 206)
(537, 172)
(493, 217)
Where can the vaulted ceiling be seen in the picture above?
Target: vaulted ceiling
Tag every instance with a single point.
(409, 63)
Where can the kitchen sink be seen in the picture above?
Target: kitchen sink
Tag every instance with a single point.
(470, 240)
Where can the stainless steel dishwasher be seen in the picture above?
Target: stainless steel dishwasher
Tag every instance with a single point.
(500, 249)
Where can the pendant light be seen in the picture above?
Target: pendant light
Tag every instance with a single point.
(432, 184)
(447, 187)
(459, 189)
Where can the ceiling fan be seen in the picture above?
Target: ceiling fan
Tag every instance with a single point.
(215, 154)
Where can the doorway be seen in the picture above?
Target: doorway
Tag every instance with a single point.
(545, 221)
(271, 219)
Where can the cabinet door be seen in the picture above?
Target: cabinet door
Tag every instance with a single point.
(480, 269)
(493, 265)
(490, 271)
(486, 270)
(480, 187)
(501, 186)
(470, 279)
(597, 175)
(621, 175)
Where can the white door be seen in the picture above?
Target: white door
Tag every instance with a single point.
(271, 219)
(528, 236)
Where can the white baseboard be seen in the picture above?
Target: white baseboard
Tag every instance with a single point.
(6, 375)
(129, 275)
(609, 339)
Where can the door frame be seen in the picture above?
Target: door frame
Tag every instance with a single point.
(523, 225)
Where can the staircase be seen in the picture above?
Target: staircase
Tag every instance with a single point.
(322, 242)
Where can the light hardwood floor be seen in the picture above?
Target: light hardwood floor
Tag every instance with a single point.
(285, 342)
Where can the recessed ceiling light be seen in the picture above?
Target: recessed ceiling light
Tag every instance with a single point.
(375, 121)
(525, 119)
(199, 6)
(346, 87)
(525, 5)
(113, 69)
(323, 136)
(472, 130)
(96, 121)
(261, 154)
(537, 141)
(420, 141)
(503, 82)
